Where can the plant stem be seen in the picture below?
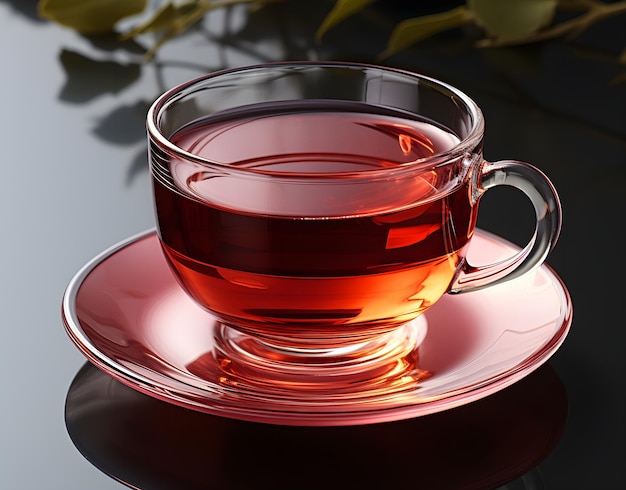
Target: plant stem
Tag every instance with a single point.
(185, 22)
(596, 12)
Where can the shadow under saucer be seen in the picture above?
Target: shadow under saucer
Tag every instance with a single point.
(150, 444)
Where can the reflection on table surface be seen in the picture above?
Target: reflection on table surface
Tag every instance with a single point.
(149, 444)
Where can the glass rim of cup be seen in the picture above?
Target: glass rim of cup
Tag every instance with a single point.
(463, 148)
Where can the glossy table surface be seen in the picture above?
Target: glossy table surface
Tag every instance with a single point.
(72, 126)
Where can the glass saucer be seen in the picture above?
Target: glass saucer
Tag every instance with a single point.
(127, 314)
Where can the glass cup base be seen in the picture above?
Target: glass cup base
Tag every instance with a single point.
(258, 365)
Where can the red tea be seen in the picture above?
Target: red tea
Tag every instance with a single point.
(315, 245)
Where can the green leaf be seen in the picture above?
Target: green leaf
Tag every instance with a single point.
(165, 18)
(89, 16)
(511, 19)
(411, 31)
(340, 11)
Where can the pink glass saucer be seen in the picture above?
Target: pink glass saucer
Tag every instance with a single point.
(127, 314)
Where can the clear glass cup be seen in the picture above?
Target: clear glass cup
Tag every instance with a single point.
(317, 209)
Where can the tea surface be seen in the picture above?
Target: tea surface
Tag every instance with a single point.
(312, 253)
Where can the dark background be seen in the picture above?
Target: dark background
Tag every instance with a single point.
(75, 181)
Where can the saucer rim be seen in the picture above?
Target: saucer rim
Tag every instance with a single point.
(167, 391)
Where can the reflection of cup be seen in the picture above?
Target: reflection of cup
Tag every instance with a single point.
(314, 208)
(150, 444)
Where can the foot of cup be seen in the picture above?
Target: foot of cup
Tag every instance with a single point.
(388, 362)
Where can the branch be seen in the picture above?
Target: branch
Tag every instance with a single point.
(574, 27)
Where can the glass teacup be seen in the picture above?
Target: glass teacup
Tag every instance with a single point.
(318, 209)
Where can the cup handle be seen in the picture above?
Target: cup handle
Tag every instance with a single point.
(538, 188)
